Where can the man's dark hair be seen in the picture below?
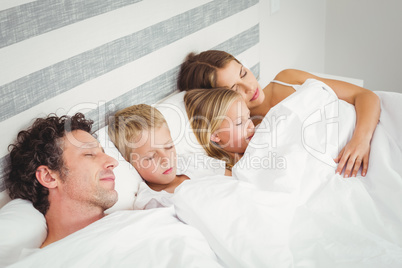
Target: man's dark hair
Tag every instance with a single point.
(36, 146)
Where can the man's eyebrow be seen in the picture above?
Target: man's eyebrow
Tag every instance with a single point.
(89, 145)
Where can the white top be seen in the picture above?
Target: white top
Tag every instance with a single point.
(194, 166)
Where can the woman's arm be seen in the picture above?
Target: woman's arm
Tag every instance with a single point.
(367, 105)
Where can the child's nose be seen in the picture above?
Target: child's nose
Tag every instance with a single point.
(250, 126)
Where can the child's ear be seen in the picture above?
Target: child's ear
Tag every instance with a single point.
(46, 176)
(215, 137)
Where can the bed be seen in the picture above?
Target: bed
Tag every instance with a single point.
(75, 56)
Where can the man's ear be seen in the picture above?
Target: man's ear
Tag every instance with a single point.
(215, 138)
(46, 176)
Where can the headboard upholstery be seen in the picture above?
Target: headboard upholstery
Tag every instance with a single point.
(97, 57)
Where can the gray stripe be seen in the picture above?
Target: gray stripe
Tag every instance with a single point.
(149, 93)
(241, 42)
(39, 17)
(3, 171)
(256, 70)
(37, 87)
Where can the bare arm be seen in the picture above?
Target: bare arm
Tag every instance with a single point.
(367, 106)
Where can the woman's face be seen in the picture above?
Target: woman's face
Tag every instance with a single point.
(238, 78)
(236, 129)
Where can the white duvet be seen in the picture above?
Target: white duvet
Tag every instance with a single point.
(152, 238)
(293, 210)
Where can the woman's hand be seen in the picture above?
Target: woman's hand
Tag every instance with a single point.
(368, 108)
(353, 156)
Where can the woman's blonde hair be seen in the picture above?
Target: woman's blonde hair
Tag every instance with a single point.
(206, 110)
(129, 123)
(199, 70)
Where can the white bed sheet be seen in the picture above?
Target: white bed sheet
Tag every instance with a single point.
(302, 214)
(151, 238)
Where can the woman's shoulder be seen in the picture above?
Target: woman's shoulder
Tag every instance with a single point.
(293, 76)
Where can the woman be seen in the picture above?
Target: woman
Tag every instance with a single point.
(214, 68)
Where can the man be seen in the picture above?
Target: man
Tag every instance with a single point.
(59, 166)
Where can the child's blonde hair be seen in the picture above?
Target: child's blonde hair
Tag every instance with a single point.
(129, 123)
(206, 110)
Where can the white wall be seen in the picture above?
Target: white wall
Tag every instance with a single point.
(294, 37)
(364, 40)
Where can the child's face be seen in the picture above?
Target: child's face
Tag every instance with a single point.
(155, 157)
(236, 130)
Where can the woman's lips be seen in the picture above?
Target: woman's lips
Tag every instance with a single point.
(249, 138)
(256, 94)
(168, 171)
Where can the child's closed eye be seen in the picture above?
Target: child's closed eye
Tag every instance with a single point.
(149, 158)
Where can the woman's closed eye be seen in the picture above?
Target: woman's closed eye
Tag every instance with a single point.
(243, 72)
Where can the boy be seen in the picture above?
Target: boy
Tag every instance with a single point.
(142, 136)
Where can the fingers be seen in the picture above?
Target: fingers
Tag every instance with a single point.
(355, 166)
(365, 165)
(351, 164)
(349, 167)
(341, 160)
(339, 156)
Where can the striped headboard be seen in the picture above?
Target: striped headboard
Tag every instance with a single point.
(97, 57)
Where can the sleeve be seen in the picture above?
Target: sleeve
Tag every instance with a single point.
(197, 166)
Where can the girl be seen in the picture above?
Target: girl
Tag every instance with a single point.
(224, 130)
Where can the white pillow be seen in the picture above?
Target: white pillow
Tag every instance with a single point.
(174, 111)
(127, 178)
(21, 226)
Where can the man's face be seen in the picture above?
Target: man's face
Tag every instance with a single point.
(89, 179)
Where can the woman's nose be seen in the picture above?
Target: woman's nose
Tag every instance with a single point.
(247, 86)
